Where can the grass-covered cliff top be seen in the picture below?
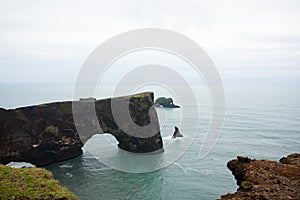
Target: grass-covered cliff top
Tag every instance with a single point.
(30, 183)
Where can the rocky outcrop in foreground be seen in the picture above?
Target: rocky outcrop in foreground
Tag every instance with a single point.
(264, 179)
(46, 133)
(31, 183)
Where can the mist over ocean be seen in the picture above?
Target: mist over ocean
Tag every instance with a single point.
(261, 122)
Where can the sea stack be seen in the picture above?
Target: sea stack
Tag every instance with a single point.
(165, 102)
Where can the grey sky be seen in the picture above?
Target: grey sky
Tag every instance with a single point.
(249, 41)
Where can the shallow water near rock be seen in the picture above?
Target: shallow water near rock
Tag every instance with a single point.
(261, 123)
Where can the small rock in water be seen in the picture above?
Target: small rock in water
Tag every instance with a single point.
(177, 133)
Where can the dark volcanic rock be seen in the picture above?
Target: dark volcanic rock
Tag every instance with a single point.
(46, 133)
(165, 102)
(264, 179)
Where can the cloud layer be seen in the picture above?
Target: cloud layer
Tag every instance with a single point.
(249, 41)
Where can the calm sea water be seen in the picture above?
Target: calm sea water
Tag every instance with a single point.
(261, 122)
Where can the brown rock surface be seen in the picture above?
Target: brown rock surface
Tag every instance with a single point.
(265, 179)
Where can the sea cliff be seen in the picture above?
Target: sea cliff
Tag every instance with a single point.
(47, 133)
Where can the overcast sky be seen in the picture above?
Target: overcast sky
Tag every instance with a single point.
(249, 41)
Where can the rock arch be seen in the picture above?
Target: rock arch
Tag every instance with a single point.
(46, 133)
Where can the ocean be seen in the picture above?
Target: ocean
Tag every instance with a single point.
(261, 122)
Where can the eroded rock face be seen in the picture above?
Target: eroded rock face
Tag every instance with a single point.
(46, 133)
(264, 179)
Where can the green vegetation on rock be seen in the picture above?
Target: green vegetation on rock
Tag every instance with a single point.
(31, 183)
(65, 108)
(21, 116)
(246, 186)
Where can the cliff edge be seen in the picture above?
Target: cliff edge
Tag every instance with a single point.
(31, 183)
(265, 179)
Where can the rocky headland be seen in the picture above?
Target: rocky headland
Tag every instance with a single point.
(52, 132)
(265, 179)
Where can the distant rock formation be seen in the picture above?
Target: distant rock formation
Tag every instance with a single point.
(46, 133)
(165, 102)
(264, 179)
